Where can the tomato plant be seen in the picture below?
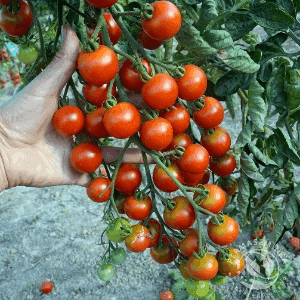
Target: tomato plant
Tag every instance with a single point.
(197, 288)
(190, 242)
(182, 140)
(147, 42)
(223, 166)
(116, 231)
(106, 272)
(137, 209)
(139, 239)
(118, 256)
(27, 54)
(98, 190)
(163, 253)
(154, 228)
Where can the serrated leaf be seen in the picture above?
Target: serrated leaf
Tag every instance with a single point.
(287, 6)
(256, 104)
(260, 156)
(238, 25)
(218, 39)
(245, 136)
(238, 59)
(269, 16)
(224, 5)
(208, 10)
(266, 196)
(243, 197)
(249, 168)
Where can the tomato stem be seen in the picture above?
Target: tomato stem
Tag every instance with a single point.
(136, 12)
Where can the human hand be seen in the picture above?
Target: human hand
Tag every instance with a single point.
(32, 153)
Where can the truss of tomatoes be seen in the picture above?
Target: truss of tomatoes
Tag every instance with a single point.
(167, 132)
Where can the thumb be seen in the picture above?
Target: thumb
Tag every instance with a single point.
(52, 80)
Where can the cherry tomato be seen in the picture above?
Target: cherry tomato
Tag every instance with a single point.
(114, 31)
(163, 87)
(164, 253)
(27, 54)
(122, 120)
(163, 181)
(93, 124)
(6, 57)
(46, 287)
(178, 116)
(6, 2)
(98, 67)
(219, 279)
(192, 180)
(106, 272)
(234, 265)
(156, 134)
(197, 288)
(258, 235)
(115, 232)
(183, 270)
(204, 268)
(130, 76)
(217, 143)
(229, 185)
(194, 160)
(210, 115)
(215, 201)
(155, 231)
(96, 187)
(190, 243)
(182, 215)
(193, 84)
(165, 22)
(86, 157)
(17, 76)
(97, 95)
(102, 3)
(68, 120)
(166, 295)
(139, 239)
(118, 256)
(137, 209)
(225, 233)
(182, 140)
(18, 24)
(128, 179)
(223, 166)
(147, 42)
(205, 178)
(120, 204)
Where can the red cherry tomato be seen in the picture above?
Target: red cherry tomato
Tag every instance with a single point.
(165, 22)
(6, 2)
(97, 95)
(182, 216)
(102, 3)
(163, 181)
(147, 42)
(130, 76)
(128, 179)
(68, 120)
(46, 287)
(166, 253)
(194, 160)
(183, 270)
(223, 166)
(155, 231)
(217, 143)
(137, 209)
(210, 115)
(229, 185)
(163, 87)
(205, 178)
(139, 239)
(96, 187)
(94, 124)
(98, 67)
(182, 140)
(193, 84)
(204, 268)
(258, 235)
(215, 201)
(6, 57)
(86, 157)
(18, 24)
(225, 233)
(114, 31)
(190, 243)
(122, 120)
(179, 117)
(192, 180)
(166, 295)
(156, 134)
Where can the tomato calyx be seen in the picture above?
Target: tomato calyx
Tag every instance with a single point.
(140, 195)
(147, 12)
(199, 104)
(218, 219)
(209, 131)
(179, 72)
(13, 8)
(89, 108)
(202, 194)
(109, 103)
(151, 114)
(224, 254)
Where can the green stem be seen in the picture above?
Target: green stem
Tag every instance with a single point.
(201, 235)
(123, 53)
(75, 93)
(75, 9)
(32, 68)
(128, 13)
(190, 12)
(81, 25)
(293, 36)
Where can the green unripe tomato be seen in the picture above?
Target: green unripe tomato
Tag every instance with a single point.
(197, 288)
(118, 256)
(27, 54)
(210, 296)
(117, 234)
(219, 279)
(106, 272)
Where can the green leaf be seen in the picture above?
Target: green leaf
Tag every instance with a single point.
(219, 296)
(290, 212)
(243, 197)
(238, 59)
(208, 13)
(265, 71)
(191, 2)
(224, 5)
(257, 106)
(287, 6)
(260, 156)
(275, 87)
(293, 95)
(231, 82)
(218, 39)
(297, 193)
(238, 25)
(269, 16)
(278, 230)
(266, 196)
(231, 104)
(245, 136)
(189, 37)
(249, 168)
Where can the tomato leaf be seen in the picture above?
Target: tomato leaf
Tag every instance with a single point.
(293, 95)
(218, 39)
(269, 16)
(249, 168)
(231, 104)
(290, 212)
(243, 197)
(245, 136)
(265, 197)
(260, 156)
(191, 2)
(219, 296)
(238, 25)
(257, 106)
(208, 12)
(297, 193)
(238, 59)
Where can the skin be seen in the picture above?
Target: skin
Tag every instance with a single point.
(32, 153)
